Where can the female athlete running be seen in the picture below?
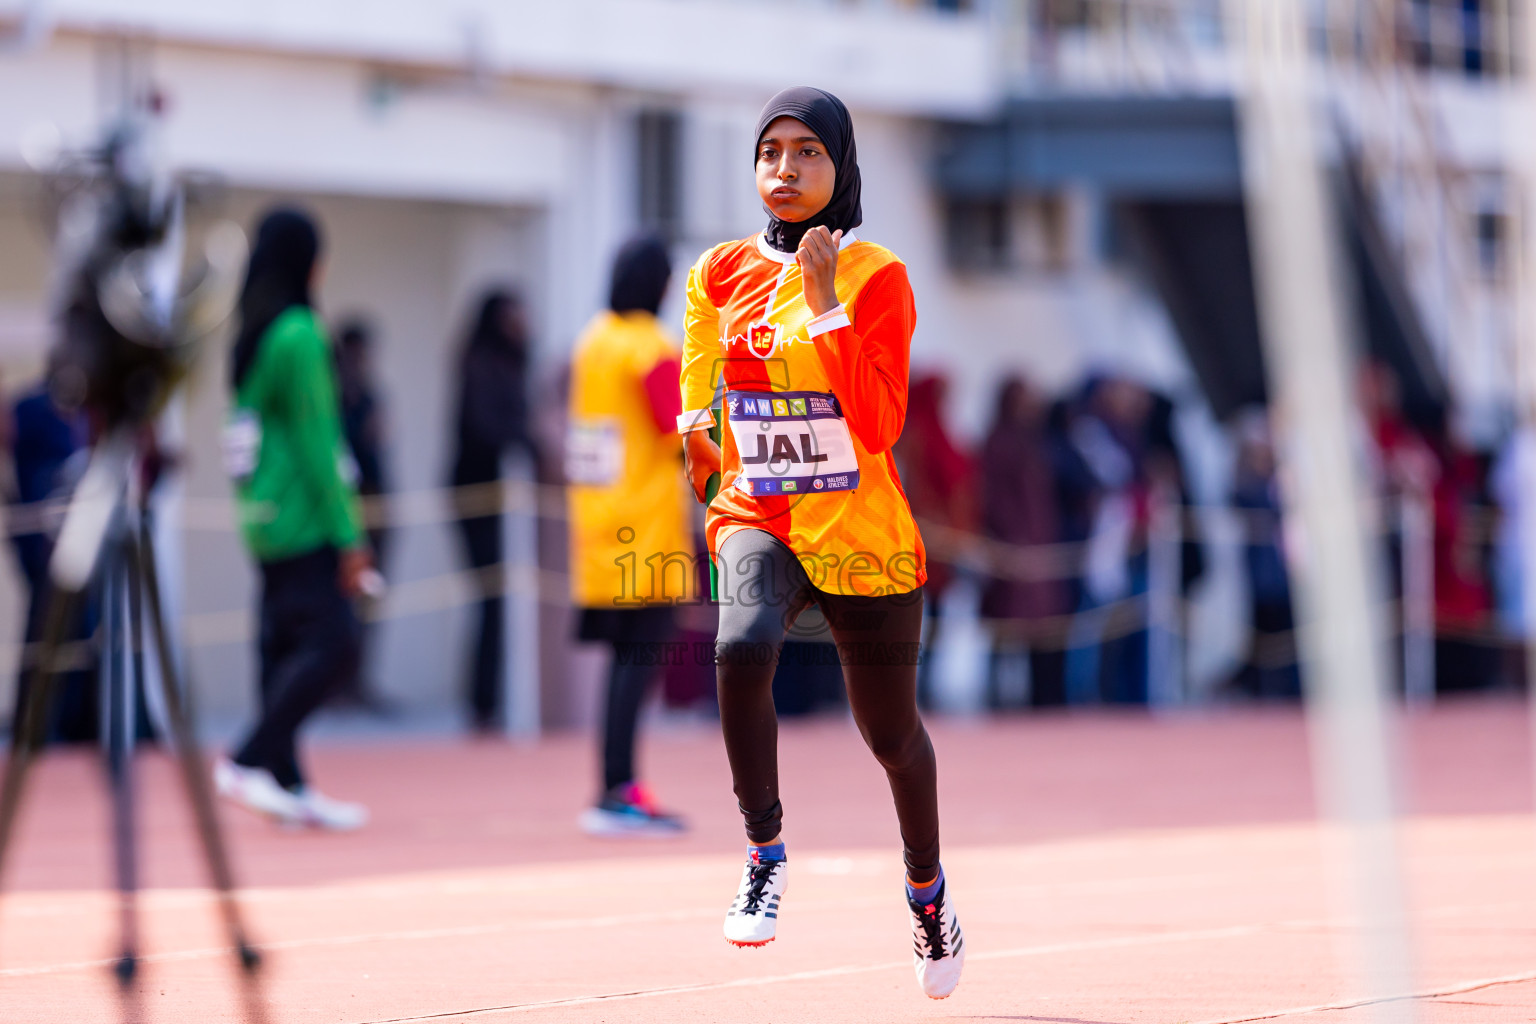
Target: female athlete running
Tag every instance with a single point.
(804, 331)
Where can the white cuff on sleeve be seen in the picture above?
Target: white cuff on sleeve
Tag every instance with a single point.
(831, 320)
(695, 419)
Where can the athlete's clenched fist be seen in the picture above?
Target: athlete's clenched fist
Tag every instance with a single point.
(817, 257)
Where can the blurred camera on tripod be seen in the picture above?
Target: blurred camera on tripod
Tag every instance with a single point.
(134, 296)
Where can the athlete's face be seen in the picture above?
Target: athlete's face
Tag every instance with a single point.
(795, 176)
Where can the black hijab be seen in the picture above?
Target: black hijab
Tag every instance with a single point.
(640, 274)
(825, 115)
(498, 326)
(493, 388)
(276, 279)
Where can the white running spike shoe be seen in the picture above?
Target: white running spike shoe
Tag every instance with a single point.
(320, 811)
(256, 790)
(754, 915)
(938, 946)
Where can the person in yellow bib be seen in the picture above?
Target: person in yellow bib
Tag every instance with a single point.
(631, 546)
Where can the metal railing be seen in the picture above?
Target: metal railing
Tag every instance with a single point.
(1158, 606)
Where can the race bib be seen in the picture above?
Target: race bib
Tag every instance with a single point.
(594, 453)
(241, 444)
(791, 442)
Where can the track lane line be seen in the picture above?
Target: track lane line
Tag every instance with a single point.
(179, 901)
(417, 934)
(1232, 931)
(1434, 993)
(613, 920)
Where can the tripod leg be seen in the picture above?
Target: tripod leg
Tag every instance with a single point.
(123, 667)
(194, 772)
(42, 675)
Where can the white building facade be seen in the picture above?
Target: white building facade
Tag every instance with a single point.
(447, 148)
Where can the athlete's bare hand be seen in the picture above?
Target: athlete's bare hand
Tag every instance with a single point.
(817, 256)
(353, 572)
(701, 460)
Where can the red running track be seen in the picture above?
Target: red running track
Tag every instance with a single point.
(1108, 869)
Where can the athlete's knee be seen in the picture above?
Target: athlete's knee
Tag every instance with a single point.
(901, 747)
(744, 654)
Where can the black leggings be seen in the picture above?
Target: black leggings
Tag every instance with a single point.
(637, 636)
(481, 537)
(764, 590)
(309, 648)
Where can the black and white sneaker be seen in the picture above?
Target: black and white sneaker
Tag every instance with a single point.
(938, 946)
(630, 810)
(754, 914)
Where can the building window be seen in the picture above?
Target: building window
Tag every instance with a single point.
(1474, 37)
(1492, 234)
(660, 137)
(1033, 232)
(978, 233)
(1045, 235)
(1491, 231)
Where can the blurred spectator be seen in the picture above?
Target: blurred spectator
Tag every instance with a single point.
(939, 482)
(1404, 474)
(1405, 462)
(363, 418)
(1270, 668)
(1425, 466)
(365, 427)
(492, 419)
(1165, 467)
(1466, 656)
(1509, 483)
(1106, 658)
(1075, 485)
(1020, 508)
(47, 447)
(631, 545)
(299, 517)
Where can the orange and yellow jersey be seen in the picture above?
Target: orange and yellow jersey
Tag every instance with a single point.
(631, 541)
(811, 408)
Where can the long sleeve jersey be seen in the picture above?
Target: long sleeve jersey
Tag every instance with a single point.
(292, 496)
(812, 406)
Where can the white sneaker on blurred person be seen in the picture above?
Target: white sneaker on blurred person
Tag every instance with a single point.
(630, 810)
(256, 790)
(320, 811)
